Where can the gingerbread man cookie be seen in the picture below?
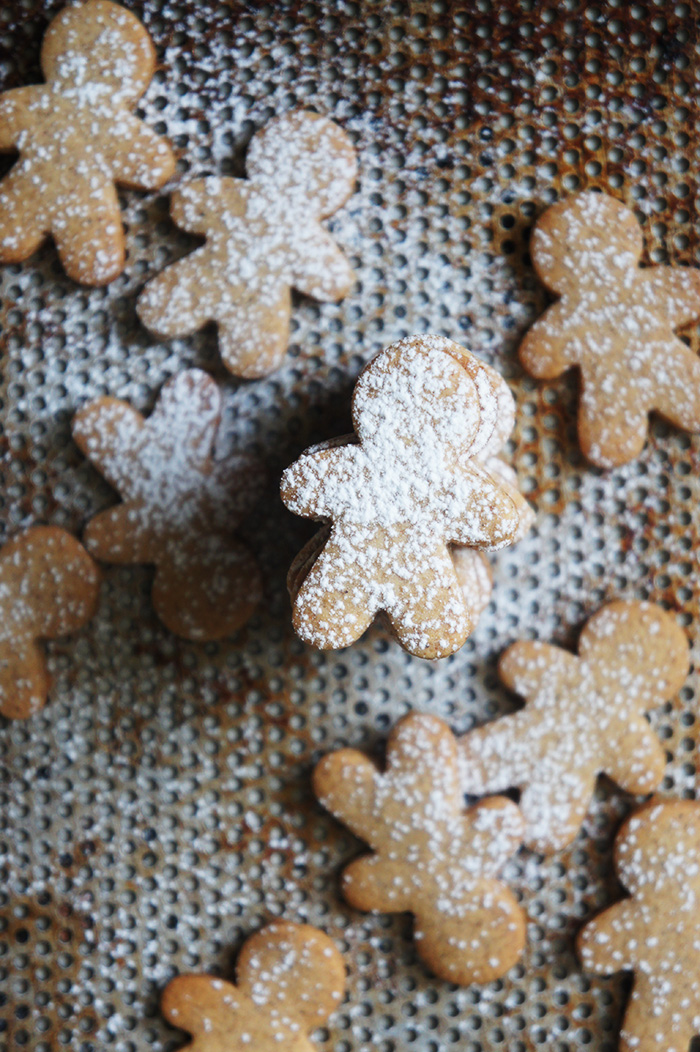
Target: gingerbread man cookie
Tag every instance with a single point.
(290, 979)
(656, 932)
(263, 237)
(49, 587)
(180, 504)
(76, 138)
(583, 716)
(411, 486)
(616, 323)
(429, 856)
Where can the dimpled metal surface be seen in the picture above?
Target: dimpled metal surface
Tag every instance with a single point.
(159, 810)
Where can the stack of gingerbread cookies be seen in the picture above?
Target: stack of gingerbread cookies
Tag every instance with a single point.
(408, 508)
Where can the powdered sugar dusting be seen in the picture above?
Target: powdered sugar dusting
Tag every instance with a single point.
(290, 979)
(76, 139)
(397, 499)
(181, 505)
(615, 322)
(429, 857)
(583, 715)
(263, 236)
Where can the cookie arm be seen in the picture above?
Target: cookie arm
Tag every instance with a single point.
(177, 301)
(676, 394)
(530, 667)
(546, 350)
(674, 292)
(140, 159)
(639, 767)
(305, 483)
(196, 1003)
(120, 535)
(344, 782)
(14, 115)
(108, 432)
(320, 269)
(602, 945)
(480, 512)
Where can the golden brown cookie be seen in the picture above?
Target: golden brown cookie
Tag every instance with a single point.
(429, 855)
(583, 716)
(49, 587)
(398, 498)
(263, 237)
(77, 138)
(180, 504)
(616, 323)
(290, 979)
(654, 933)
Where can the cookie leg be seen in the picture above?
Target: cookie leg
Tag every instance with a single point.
(178, 302)
(22, 229)
(207, 590)
(254, 338)
(334, 605)
(24, 679)
(612, 430)
(429, 615)
(651, 1024)
(477, 940)
(677, 385)
(89, 237)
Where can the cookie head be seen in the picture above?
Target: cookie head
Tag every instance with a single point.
(657, 848)
(639, 648)
(304, 158)
(99, 43)
(418, 402)
(587, 234)
(290, 978)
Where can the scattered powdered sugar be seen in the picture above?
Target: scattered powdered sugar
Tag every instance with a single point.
(181, 505)
(143, 750)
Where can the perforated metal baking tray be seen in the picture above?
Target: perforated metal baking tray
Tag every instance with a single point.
(159, 809)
